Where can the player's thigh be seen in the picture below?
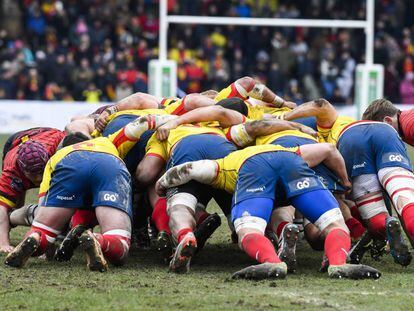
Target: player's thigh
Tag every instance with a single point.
(110, 218)
(54, 217)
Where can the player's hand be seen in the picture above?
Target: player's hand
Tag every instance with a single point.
(310, 131)
(347, 184)
(6, 248)
(289, 104)
(101, 122)
(164, 130)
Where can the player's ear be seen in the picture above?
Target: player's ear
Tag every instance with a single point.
(388, 120)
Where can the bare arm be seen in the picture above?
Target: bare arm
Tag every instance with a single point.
(267, 127)
(4, 230)
(324, 112)
(315, 154)
(149, 169)
(225, 117)
(203, 171)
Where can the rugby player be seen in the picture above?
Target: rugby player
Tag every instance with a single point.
(254, 175)
(376, 159)
(25, 155)
(90, 168)
(382, 110)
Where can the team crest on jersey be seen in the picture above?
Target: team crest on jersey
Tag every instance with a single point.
(17, 184)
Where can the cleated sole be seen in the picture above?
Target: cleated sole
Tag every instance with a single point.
(93, 253)
(180, 263)
(399, 250)
(206, 229)
(262, 271)
(358, 251)
(163, 244)
(22, 253)
(354, 272)
(288, 252)
(71, 241)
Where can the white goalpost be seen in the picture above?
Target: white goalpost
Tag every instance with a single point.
(369, 77)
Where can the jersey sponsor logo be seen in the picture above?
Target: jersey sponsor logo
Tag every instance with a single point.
(257, 189)
(360, 165)
(394, 157)
(65, 198)
(108, 196)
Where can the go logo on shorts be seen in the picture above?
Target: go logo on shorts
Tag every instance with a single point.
(303, 184)
(395, 157)
(108, 196)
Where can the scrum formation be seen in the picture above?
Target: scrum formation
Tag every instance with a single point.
(148, 167)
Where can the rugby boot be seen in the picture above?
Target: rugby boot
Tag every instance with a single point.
(398, 247)
(94, 257)
(378, 248)
(359, 249)
(19, 256)
(355, 272)
(71, 241)
(272, 237)
(262, 271)
(180, 263)
(287, 246)
(164, 245)
(205, 230)
(325, 264)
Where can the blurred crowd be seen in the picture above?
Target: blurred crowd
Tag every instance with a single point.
(96, 50)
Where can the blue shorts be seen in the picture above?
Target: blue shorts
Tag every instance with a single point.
(137, 153)
(265, 174)
(308, 121)
(326, 176)
(367, 148)
(311, 204)
(201, 147)
(85, 179)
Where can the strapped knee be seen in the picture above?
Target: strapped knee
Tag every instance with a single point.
(399, 184)
(182, 198)
(250, 222)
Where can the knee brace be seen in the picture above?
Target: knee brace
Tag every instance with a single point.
(328, 218)
(250, 222)
(364, 184)
(182, 198)
(238, 134)
(399, 184)
(371, 206)
(252, 214)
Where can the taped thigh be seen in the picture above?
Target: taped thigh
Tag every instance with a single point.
(399, 184)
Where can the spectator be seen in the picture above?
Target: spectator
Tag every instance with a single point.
(92, 94)
(407, 89)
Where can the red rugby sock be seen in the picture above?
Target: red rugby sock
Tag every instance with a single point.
(280, 228)
(114, 247)
(376, 225)
(46, 238)
(408, 219)
(160, 217)
(356, 229)
(355, 213)
(84, 217)
(259, 247)
(337, 245)
(181, 234)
